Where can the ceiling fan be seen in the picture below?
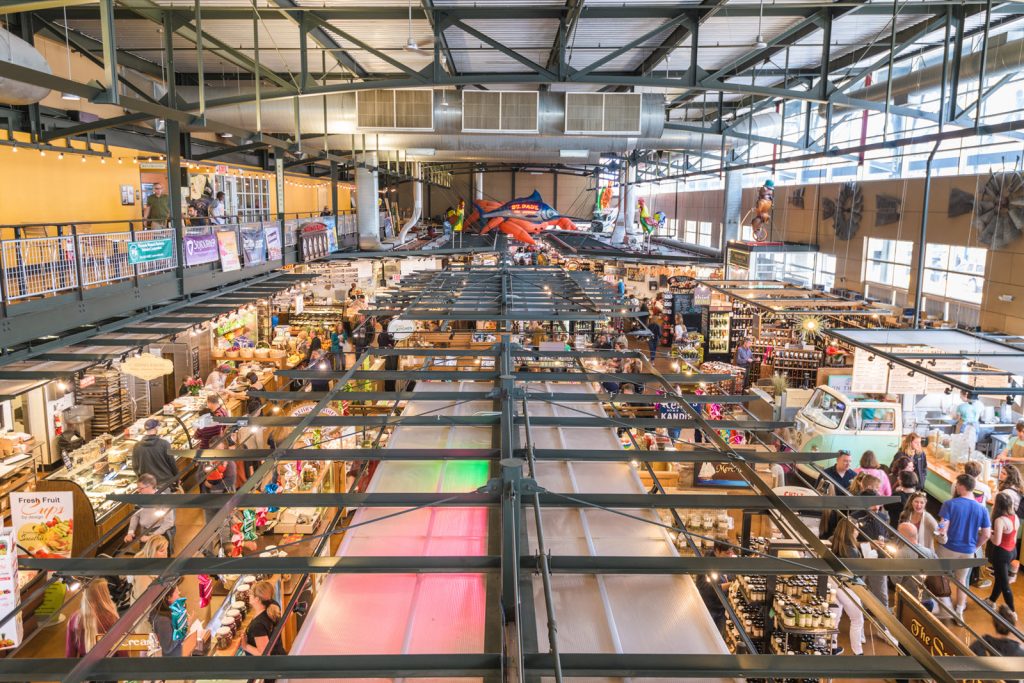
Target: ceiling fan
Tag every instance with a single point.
(411, 45)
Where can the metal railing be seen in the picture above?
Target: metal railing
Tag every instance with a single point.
(69, 256)
(38, 266)
(104, 258)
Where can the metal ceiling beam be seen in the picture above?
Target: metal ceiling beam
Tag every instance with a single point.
(482, 666)
(625, 10)
(508, 52)
(315, 30)
(91, 127)
(148, 9)
(222, 151)
(566, 26)
(87, 47)
(486, 564)
(634, 501)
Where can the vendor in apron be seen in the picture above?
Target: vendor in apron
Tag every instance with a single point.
(1015, 446)
(968, 416)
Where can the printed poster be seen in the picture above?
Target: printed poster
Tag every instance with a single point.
(254, 246)
(227, 243)
(200, 249)
(273, 239)
(43, 522)
(10, 594)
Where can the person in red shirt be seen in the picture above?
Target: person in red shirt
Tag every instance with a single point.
(220, 476)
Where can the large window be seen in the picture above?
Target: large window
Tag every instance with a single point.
(887, 262)
(690, 232)
(825, 272)
(954, 272)
(704, 234)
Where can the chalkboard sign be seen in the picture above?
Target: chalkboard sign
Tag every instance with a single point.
(683, 304)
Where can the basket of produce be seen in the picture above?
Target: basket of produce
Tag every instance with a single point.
(276, 353)
(232, 353)
(262, 351)
(246, 353)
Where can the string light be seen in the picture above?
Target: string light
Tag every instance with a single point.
(42, 152)
(120, 161)
(60, 156)
(83, 159)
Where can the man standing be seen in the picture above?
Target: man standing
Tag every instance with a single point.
(967, 528)
(218, 210)
(744, 359)
(906, 551)
(157, 210)
(152, 455)
(841, 473)
(150, 521)
(655, 339)
(706, 586)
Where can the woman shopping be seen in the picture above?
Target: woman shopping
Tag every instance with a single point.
(1003, 548)
(266, 616)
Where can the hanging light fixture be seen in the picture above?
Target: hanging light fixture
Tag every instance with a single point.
(760, 43)
(68, 96)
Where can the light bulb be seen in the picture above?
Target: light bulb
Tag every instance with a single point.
(14, 150)
(102, 160)
(120, 160)
(83, 160)
(134, 160)
(61, 386)
(634, 463)
(75, 585)
(61, 156)
(42, 152)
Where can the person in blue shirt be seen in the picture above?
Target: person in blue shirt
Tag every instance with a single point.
(744, 359)
(966, 526)
(622, 288)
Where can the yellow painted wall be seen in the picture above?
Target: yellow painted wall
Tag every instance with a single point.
(39, 189)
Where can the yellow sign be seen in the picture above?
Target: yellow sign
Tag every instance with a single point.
(147, 367)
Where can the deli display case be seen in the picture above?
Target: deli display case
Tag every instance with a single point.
(103, 466)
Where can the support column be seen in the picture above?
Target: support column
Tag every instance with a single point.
(334, 188)
(619, 230)
(732, 207)
(367, 216)
(629, 210)
(478, 185)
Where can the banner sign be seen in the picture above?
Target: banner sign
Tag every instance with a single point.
(273, 240)
(254, 246)
(227, 243)
(313, 242)
(200, 249)
(43, 522)
(148, 251)
(10, 591)
(330, 222)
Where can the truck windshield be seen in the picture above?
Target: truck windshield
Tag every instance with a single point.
(825, 409)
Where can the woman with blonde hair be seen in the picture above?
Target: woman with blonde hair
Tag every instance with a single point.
(94, 618)
(155, 547)
(266, 615)
(912, 448)
(914, 512)
(862, 482)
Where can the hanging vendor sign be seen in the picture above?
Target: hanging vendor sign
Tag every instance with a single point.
(718, 475)
(926, 627)
(43, 522)
(147, 251)
(227, 244)
(273, 239)
(147, 367)
(254, 246)
(200, 249)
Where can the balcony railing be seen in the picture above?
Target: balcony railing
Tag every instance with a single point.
(43, 260)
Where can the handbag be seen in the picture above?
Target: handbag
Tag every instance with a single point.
(938, 585)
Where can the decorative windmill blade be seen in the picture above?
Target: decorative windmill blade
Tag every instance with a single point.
(1000, 215)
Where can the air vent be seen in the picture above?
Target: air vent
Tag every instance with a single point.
(499, 112)
(591, 113)
(395, 109)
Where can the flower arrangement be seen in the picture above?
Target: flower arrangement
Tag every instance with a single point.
(193, 384)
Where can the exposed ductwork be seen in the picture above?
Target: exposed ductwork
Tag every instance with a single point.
(447, 139)
(14, 50)
(1001, 58)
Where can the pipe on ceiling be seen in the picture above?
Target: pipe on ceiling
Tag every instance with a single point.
(16, 51)
(448, 140)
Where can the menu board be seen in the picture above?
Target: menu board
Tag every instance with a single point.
(870, 373)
